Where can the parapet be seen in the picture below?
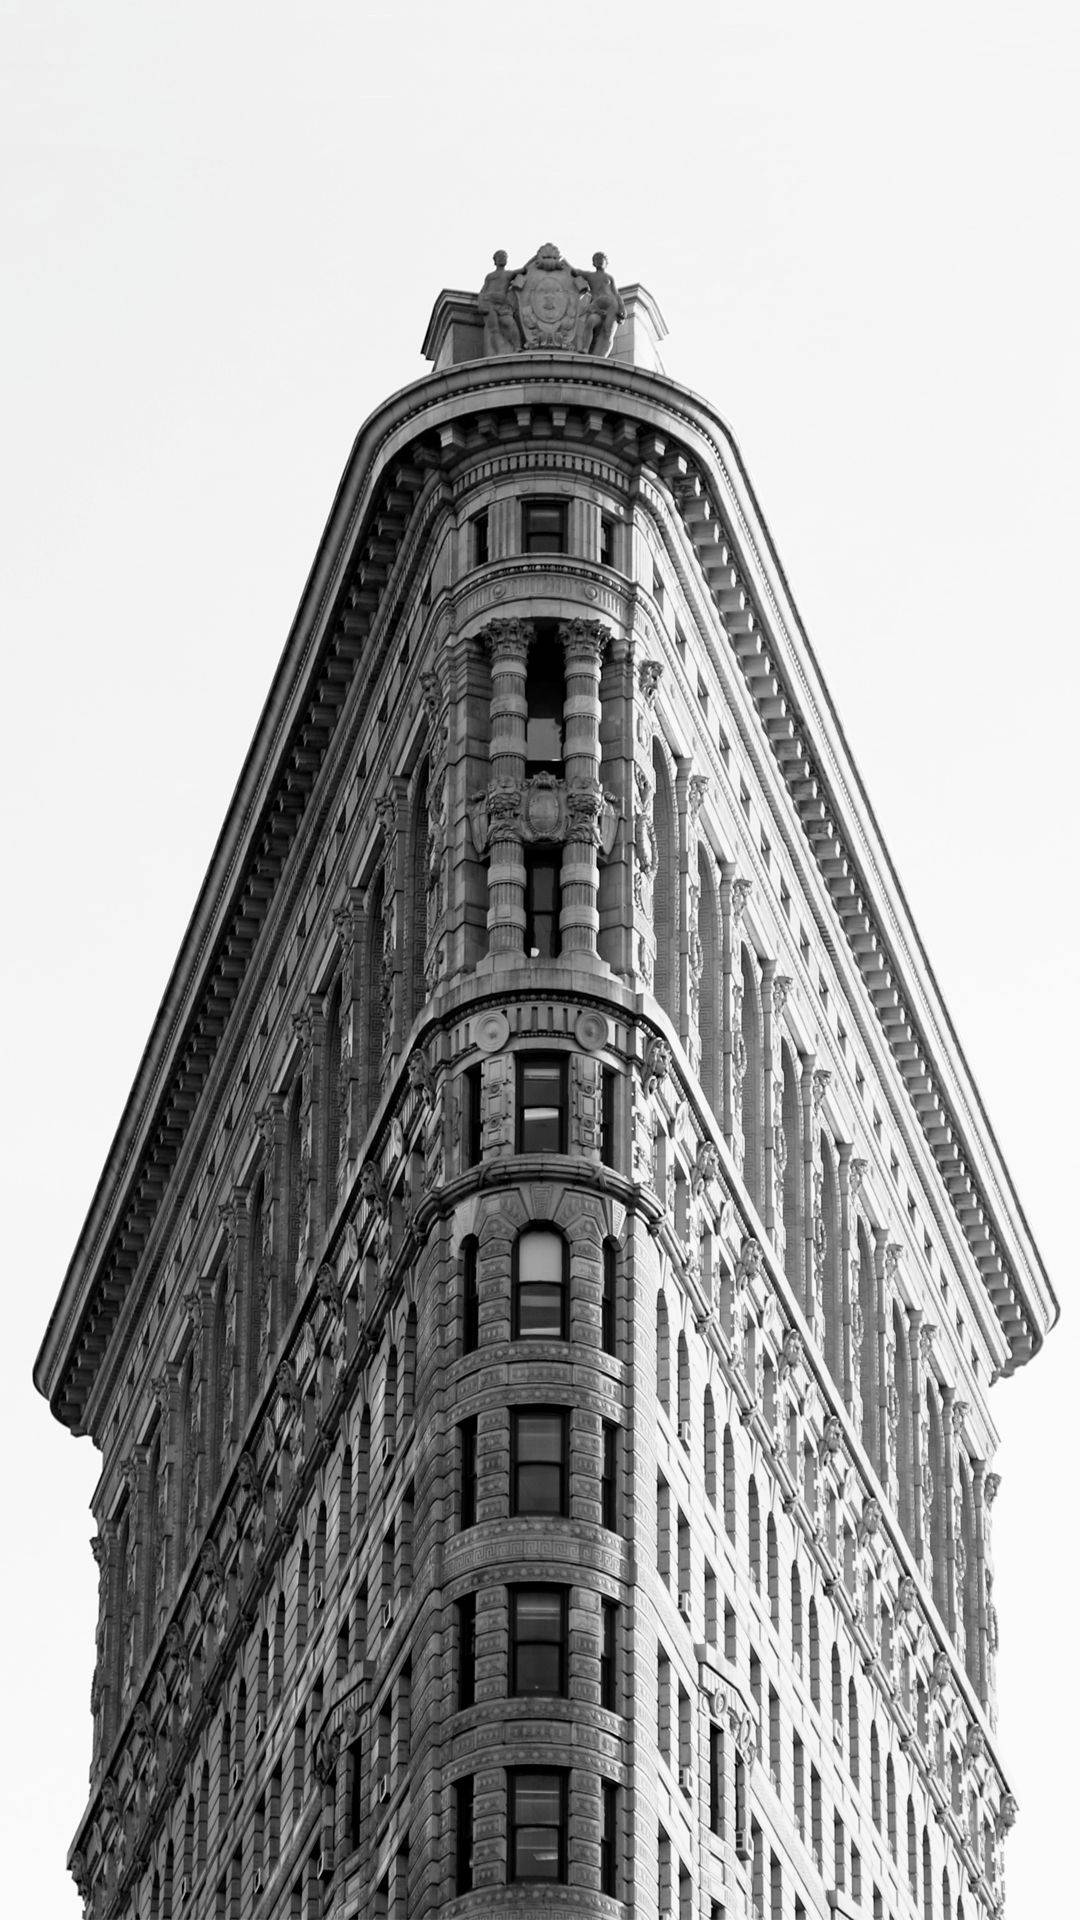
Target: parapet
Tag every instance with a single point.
(547, 305)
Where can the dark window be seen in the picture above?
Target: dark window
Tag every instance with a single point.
(478, 527)
(607, 1116)
(463, 1835)
(608, 1297)
(607, 540)
(541, 1103)
(537, 1640)
(537, 1824)
(545, 702)
(467, 1430)
(539, 1482)
(466, 1643)
(543, 526)
(474, 1096)
(716, 1776)
(470, 1297)
(540, 1286)
(608, 1486)
(609, 1817)
(609, 1628)
(543, 902)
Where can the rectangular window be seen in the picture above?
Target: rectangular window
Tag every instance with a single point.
(607, 540)
(609, 1630)
(463, 1835)
(609, 1491)
(467, 1433)
(474, 1114)
(470, 1297)
(543, 526)
(539, 1481)
(541, 1103)
(609, 1823)
(537, 1640)
(478, 529)
(608, 1297)
(543, 903)
(466, 1646)
(716, 1779)
(607, 1116)
(540, 1286)
(536, 1823)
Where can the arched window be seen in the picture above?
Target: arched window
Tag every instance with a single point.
(470, 1295)
(869, 1384)
(609, 1297)
(319, 1569)
(875, 1776)
(240, 1729)
(711, 974)
(796, 1617)
(345, 1510)
(262, 1685)
(187, 1858)
(753, 1085)
(683, 1383)
(708, 1427)
(389, 1411)
(837, 1694)
(663, 1354)
(833, 1302)
(363, 1467)
(890, 1805)
(912, 1851)
(202, 1829)
(279, 1649)
(946, 1895)
(794, 1178)
(772, 1562)
(729, 1484)
(753, 1531)
(224, 1767)
(302, 1594)
(815, 1653)
(540, 1284)
(853, 1730)
(408, 1369)
(927, 1878)
(167, 1883)
(331, 1103)
(665, 888)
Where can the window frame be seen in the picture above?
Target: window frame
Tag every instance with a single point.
(558, 1414)
(515, 1777)
(470, 1294)
(517, 1284)
(534, 504)
(527, 1062)
(519, 1642)
(469, 1475)
(609, 1476)
(465, 1623)
(464, 1834)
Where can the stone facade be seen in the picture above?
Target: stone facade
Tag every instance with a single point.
(539, 1315)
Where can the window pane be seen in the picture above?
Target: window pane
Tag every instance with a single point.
(539, 1489)
(540, 1257)
(536, 1826)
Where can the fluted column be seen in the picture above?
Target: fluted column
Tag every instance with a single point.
(922, 1334)
(953, 1412)
(579, 919)
(812, 1298)
(884, 1461)
(509, 644)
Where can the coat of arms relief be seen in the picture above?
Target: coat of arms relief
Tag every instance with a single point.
(549, 303)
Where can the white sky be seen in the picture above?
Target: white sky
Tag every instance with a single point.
(223, 227)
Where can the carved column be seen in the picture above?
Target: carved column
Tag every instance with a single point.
(697, 787)
(393, 812)
(682, 828)
(981, 1659)
(953, 1412)
(346, 926)
(509, 644)
(770, 1053)
(774, 1092)
(645, 849)
(847, 1236)
(811, 1299)
(579, 919)
(102, 1691)
(436, 852)
(228, 1361)
(271, 1252)
(740, 894)
(304, 1175)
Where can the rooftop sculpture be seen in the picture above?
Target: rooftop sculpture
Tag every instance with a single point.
(549, 303)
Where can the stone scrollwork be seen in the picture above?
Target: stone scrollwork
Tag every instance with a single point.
(656, 1065)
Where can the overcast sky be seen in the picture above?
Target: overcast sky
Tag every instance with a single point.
(223, 228)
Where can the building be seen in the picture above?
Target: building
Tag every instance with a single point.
(539, 1311)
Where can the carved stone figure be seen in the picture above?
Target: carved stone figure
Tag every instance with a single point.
(604, 311)
(498, 304)
(549, 300)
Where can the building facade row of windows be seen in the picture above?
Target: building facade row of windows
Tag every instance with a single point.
(537, 1813)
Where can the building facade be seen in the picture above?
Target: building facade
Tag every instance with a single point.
(539, 1312)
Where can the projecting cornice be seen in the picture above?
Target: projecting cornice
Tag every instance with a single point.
(340, 630)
